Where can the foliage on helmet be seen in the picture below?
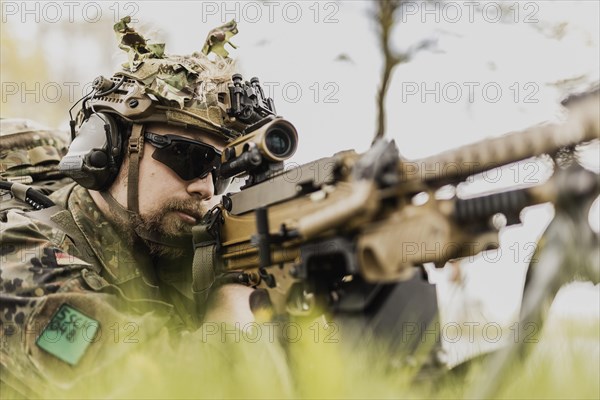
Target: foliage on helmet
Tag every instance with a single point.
(190, 90)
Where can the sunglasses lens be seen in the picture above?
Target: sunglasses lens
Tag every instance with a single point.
(188, 160)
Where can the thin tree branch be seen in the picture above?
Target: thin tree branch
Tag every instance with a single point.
(385, 17)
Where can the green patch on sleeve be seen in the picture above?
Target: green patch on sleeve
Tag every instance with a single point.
(68, 334)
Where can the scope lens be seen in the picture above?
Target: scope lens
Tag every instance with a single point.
(279, 143)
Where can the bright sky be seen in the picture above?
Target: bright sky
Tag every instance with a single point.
(489, 73)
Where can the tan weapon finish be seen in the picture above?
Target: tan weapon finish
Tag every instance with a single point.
(259, 138)
(582, 125)
(238, 229)
(390, 234)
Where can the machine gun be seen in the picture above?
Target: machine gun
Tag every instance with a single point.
(332, 234)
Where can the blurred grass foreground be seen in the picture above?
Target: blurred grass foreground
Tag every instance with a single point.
(565, 363)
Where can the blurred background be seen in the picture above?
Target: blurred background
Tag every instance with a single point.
(485, 68)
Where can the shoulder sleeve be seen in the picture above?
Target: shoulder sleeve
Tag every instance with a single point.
(59, 320)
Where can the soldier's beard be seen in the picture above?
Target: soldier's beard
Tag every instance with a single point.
(163, 230)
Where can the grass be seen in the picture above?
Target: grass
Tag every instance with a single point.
(564, 364)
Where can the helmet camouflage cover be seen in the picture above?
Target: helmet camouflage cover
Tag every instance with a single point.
(191, 90)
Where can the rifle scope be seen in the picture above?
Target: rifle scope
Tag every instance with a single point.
(271, 143)
(280, 142)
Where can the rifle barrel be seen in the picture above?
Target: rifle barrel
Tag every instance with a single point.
(456, 165)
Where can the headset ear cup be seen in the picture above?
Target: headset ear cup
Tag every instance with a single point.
(95, 155)
(98, 159)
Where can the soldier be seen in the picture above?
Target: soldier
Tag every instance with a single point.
(29, 154)
(116, 249)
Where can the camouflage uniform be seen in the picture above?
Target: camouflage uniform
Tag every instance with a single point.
(29, 154)
(62, 298)
(68, 280)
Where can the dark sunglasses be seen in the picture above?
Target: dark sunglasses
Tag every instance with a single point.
(188, 158)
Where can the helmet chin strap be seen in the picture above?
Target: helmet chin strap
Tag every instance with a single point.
(135, 151)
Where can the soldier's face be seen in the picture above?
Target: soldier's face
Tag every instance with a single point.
(169, 204)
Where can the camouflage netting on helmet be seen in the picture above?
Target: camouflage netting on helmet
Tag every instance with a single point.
(190, 89)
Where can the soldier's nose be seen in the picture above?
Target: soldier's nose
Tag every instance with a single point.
(201, 186)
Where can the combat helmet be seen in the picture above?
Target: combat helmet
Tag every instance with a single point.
(29, 151)
(29, 155)
(192, 91)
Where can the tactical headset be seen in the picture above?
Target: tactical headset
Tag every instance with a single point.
(96, 152)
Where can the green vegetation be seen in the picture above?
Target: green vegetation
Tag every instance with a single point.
(564, 364)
